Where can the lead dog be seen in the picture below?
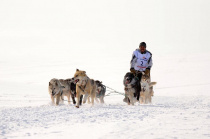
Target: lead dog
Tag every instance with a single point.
(84, 86)
(60, 88)
(55, 90)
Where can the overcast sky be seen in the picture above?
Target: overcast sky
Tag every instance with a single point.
(110, 23)
(51, 38)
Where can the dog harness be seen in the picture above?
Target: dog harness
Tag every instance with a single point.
(60, 90)
(84, 86)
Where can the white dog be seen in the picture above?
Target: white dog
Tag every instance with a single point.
(146, 90)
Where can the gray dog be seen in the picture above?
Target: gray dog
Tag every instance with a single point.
(100, 91)
(60, 88)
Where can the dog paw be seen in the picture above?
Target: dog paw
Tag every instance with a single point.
(77, 106)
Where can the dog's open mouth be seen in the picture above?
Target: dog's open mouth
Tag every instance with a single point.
(77, 80)
(127, 81)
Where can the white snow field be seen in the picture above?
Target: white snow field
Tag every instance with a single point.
(45, 39)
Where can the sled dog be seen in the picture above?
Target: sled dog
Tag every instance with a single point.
(100, 91)
(84, 86)
(132, 90)
(55, 90)
(68, 90)
(146, 90)
(60, 88)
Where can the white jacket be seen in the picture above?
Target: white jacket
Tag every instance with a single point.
(141, 61)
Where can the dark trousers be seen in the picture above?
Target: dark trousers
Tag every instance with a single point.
(139, 75)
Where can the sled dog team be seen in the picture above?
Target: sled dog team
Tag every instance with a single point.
(84, 88)
(78, 86)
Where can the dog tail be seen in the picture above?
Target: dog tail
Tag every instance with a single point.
(152, 84)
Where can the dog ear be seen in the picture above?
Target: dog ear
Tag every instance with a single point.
(84, 72)
(56, 83)
(77, 69)
(49, 83)
(152, 83)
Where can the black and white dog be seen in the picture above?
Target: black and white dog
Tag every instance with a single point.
(100, 91)
(132, 88)
(73, 90)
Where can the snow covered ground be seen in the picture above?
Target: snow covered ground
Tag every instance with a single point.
(40, 40)
(168, 117)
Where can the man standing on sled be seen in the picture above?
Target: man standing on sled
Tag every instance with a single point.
(141, 62)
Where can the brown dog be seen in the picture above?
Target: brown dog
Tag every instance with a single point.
(84, 86)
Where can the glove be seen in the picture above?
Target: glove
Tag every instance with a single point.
(147, 72)
(133, 70)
